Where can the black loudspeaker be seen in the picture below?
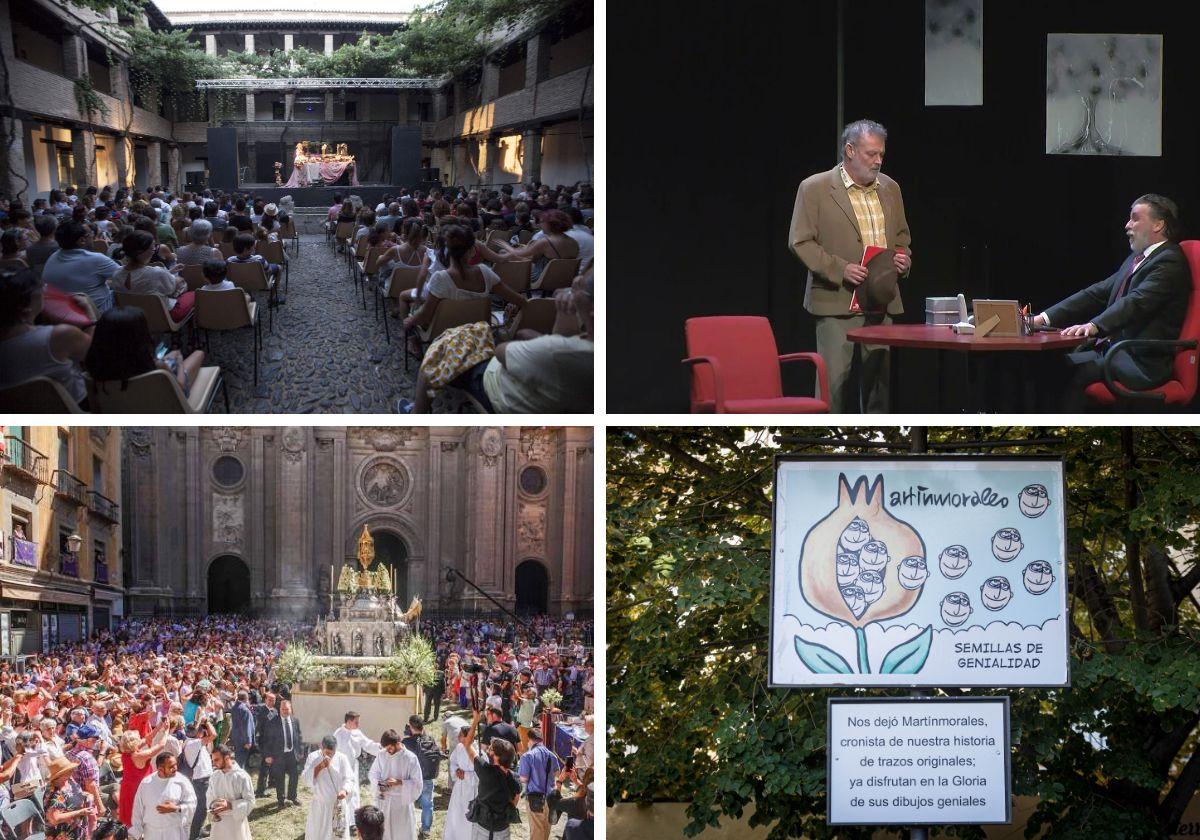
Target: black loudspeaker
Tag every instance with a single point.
(223, 158)
(430, 173)
(406, 155)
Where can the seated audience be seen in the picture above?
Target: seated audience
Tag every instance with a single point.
(243, 252)
(553, 244)
(199, 250)
(28, 350)
(123, 348)
(40, 251)
(138, 275)
(76, 268)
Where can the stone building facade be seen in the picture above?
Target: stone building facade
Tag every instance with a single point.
(224, 519)
(60, 535)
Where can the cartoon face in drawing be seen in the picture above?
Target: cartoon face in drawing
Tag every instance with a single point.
(1034, 500)
(1039, 577)
(954, 561)
(847, 567)
(995, 593)
(956, 608)
(1006, 544)
(856, 535)
(874, 556)
(853, 595)
(872, 585)
(912, 572)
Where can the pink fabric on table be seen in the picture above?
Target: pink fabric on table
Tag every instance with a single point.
(330, 172)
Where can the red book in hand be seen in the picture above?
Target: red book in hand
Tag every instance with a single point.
(869, 253)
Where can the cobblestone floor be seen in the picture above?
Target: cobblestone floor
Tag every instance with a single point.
(326, 355)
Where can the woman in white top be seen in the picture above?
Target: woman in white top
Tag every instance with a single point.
(137, 275)
(28, 350)
(410, 252)
(458, 281)
(466, 785)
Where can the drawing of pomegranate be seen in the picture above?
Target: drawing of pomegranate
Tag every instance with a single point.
(860, 535)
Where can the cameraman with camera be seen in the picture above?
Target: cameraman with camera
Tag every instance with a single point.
(495, 805)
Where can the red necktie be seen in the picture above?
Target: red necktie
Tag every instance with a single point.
(1124, 287)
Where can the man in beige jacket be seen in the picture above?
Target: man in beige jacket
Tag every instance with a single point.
(837, 214)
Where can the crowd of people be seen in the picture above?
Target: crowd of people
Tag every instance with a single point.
(454, 240)
(152, 731)
(64, 257)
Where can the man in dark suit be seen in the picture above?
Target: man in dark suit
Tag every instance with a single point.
(284, 752)
(263, 713)
(1146, 298)
(241, 729)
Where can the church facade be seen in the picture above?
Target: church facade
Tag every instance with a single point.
(257, 519)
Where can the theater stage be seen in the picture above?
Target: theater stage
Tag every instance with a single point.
(371, 194)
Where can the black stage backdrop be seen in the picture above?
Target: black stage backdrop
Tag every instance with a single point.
(718, 112)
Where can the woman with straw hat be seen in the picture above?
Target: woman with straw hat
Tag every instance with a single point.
(68, 808)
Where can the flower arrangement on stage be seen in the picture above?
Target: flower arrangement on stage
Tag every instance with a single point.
(278, 177)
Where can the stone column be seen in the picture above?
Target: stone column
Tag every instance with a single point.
(289, 41)
(250, 42)
(364, 106)
(123, 148)
(83, 146)
(210, 43)
(250, 107)
(293, 588)
(193, 511)
(537, 60)
(328, 106)
(251, 162)
(491, 153)
(9, 183)
(531, 159)
(439, 104)
(75, 57)
(402, 108)
(328, 43)
(483, 520)
(289, 105)
(154, 163)
(6, 37)
(460, 97)
(175, 168)
(489, 85)
(118, 81)
(214, 117)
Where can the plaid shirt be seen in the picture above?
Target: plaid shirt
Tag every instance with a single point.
(868, 210)
(87, 771)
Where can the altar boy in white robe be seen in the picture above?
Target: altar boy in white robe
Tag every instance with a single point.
(331, 776)
(396, 783)
(164, 803)
(352, 743)
(230, 797)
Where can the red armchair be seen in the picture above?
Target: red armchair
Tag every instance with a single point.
(735, 368)
(1180, 389)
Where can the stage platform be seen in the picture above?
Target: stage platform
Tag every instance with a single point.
(371, 194)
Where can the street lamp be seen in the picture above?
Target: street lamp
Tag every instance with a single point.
(74, 542)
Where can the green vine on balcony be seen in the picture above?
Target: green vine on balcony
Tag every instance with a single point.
(88, 100)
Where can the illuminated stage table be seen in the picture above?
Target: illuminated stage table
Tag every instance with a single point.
(942, 339)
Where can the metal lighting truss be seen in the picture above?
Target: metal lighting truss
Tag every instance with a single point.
(314, 84)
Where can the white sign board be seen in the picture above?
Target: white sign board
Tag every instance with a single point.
(919, 571)
(926, 761)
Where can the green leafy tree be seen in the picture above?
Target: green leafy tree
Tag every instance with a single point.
(689, 529)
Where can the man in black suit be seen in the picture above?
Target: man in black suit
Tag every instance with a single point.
(284, 752)
(263, 713)
(1146, 298)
